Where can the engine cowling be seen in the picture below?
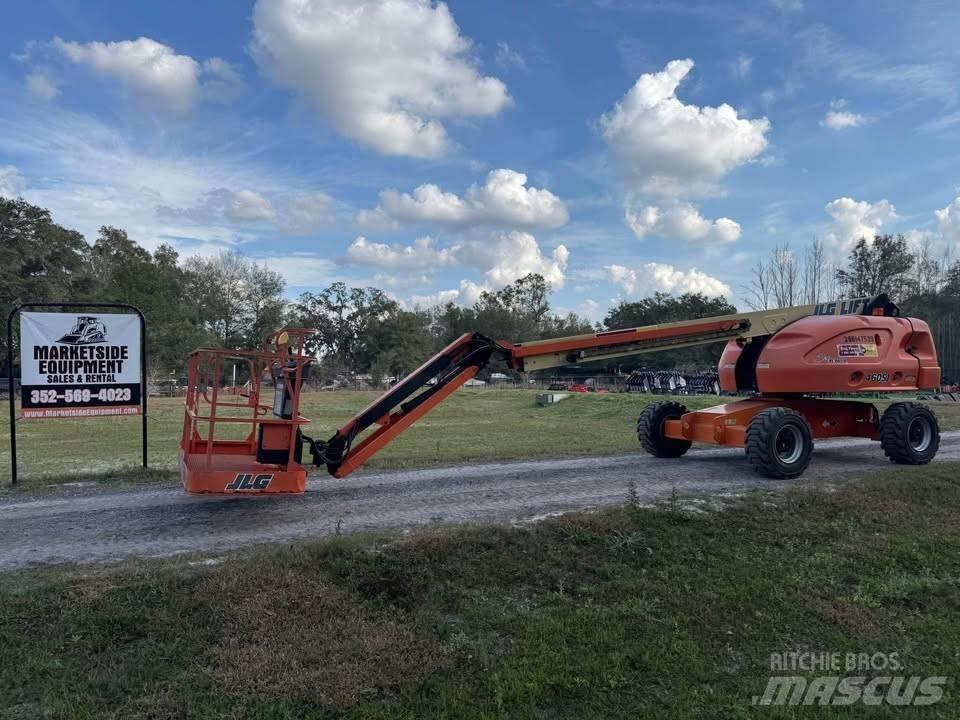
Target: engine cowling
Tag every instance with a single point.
(847, 353)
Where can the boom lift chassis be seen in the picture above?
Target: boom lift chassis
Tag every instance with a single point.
(785, 358)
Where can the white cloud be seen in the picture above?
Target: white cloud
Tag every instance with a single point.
(503, 258)
(422, 255)
(92, 174)
(787, 5)
(507, 58)
(223, 205)
(681, 222)
(591, 310)
(470, 291)
(825, 53)
(376, 219)
(26, 54)
(518, 254)
(245, 205)
(85, 206)
(12, 183)
(741, 67)
(508, 256)
(949, 221)
(504, 199)
(659, 277)
(442, 298)
(917, 240)
(427, 203)
(669, 147)
(839, 118)
(842, 119)
(385, 72)
(943, 122)
(852, 220)
(300, 269)
(150, 69)
(301, 213)
(42, 85)
(466, 295)
(294, 213)
(155, 72)
(222, 80)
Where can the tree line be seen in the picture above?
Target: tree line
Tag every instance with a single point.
(231, 301)
(923, 284)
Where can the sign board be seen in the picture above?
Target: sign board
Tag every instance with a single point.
(79, 364)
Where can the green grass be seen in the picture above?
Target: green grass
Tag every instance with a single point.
(635, 612)
(470, 425)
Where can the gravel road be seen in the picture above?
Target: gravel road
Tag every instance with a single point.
(112, 525)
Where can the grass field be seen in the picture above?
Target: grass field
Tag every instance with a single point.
(470, 425)
(665, 613)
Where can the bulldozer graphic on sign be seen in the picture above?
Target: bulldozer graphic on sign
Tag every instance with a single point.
(87, 331)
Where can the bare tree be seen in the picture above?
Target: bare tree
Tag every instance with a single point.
(814, 272)
(929, 273)
(758, 289)
(784, 275)
(829, 289)
(787, 278)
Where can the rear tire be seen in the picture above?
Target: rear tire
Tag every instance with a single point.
(779, 443)
(909, 433)
(650, 429)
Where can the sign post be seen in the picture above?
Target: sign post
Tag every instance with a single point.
(79, 364)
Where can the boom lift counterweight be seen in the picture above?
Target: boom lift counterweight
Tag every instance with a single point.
(781, 356)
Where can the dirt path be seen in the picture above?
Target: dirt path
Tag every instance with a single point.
(145, 522)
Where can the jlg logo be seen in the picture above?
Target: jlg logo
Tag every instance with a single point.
(249, 481)
(846, 307)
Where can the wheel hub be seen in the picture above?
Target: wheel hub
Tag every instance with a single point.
(788, 444)
(919, 434)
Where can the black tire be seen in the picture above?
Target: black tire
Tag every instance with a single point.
(909, 433)
(650, 429)
(779, 443)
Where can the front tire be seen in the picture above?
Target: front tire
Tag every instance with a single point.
(779, 443)
(909, 433)
(650, 429)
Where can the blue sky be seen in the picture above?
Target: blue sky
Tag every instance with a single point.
(618, 148)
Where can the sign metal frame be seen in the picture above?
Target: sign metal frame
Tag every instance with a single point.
(11, 381)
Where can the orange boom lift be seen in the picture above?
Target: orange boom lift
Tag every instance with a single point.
(267, 458)
(785, 359)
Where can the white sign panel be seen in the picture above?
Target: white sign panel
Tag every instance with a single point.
(79, 364)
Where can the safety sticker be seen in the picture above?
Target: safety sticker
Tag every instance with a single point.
(858, 350)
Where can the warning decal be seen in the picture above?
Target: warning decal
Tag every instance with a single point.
(857, 350)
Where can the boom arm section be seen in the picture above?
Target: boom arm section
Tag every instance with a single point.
(427, 386)
(560, 352)
(401, 406)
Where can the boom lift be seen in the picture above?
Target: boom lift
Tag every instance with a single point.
(783, 358)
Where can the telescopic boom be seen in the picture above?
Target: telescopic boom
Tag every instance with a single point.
(418, 393)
